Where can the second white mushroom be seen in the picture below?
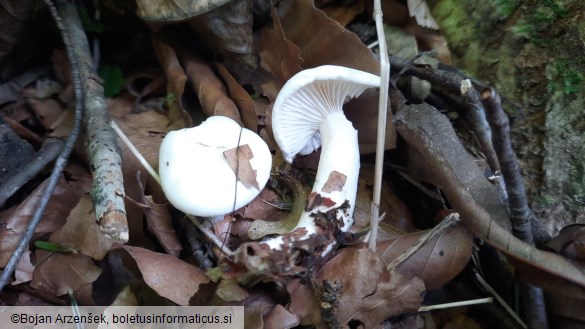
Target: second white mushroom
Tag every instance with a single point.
(308, 113)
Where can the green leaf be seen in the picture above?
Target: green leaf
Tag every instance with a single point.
(56, 247)
(113, 79)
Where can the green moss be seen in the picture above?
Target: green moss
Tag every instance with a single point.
(505, 7)
(454, 22)
(566, 76)
(524, 29)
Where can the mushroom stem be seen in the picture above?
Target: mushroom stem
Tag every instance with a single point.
(335, 188)
(339, 154)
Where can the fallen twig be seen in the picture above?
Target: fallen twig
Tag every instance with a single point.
(61, 160)
(460, 87)
(520, 214)
(522, 218)
(382, 118)
(108, 189)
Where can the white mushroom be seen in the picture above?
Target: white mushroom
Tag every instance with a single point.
(196, 176)
(308, 109)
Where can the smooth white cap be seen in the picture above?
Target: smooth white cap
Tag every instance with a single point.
(195, 175)
(307, 98)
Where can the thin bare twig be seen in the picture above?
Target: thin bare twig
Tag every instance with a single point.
(382, 118)
(108, 188)
(520, 214)
(456, 304)
(61, 160)
(526, 226)
(452, 218)
(50, 150)
(462, 88)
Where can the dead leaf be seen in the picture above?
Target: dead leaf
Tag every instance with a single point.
(369, 293)
(228, 30)
(278, 56)
(176, 80)
(264, 206)
(280, 317)
(260, 228)
(174, 10)
(335, 182)
(64, 198)
(170, 277)
(48, 111)
(146, 131)
(209, 88)
(239, 160)
(344, 13)
(82, 232)
(240, 96)
(471, 172)
(24, 269)
(438, 261)
(160, 223)
(58, 274)
(312, 31)
(570, 242)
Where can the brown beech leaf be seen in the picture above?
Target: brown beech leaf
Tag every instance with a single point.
(159, 223)
(228, 30)
(369, 293)
(471, 172)
(176, 80)
(398, 219)
(280, 317)
(209, 88)
(239, 160)
(174, 10)
(64, 198)
(570, 242)
(82, 232)
(335, 182)
(146, 131)
(24, 269)
(59, 274)
(438, 261)
(170, 277)
(278, 56)
(240, 96)
(312, 31)
(344, 14)
(264, 206)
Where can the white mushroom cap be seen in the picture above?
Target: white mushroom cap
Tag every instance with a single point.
(195, 175)
(307, 98)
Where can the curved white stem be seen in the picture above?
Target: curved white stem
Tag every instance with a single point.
(336, 182)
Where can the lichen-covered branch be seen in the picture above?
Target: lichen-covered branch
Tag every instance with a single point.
(108, 189)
